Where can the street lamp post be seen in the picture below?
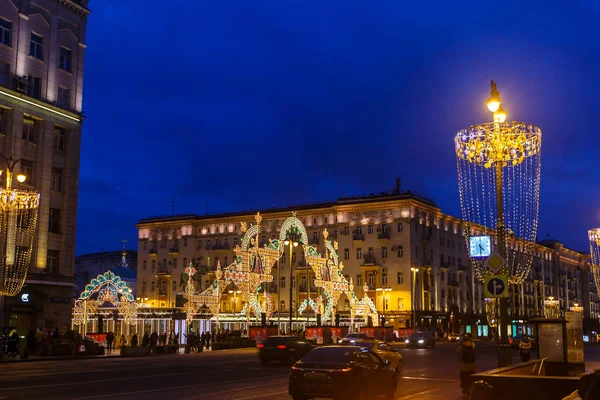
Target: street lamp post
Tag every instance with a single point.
(292, 244)
(382, 290)
(413, 290)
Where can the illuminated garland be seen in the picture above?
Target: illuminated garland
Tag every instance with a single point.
(594, 237)
(18, 220)
(512, 149)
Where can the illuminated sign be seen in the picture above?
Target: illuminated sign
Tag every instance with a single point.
(25, 297)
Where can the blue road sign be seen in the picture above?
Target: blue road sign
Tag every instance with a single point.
(496, 286)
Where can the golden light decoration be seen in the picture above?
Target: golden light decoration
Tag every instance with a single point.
(576, 308)
(551, 308)
(18, 220)
(594, 237)
(491, 311)
(498, 167)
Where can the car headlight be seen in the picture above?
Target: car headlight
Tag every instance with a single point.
(421, 341)
(406, 341)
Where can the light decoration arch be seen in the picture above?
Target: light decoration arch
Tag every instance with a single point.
(594, 238)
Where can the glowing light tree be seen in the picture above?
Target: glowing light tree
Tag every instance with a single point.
(594, 236)
(499, 185)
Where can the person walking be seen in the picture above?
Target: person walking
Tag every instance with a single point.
(13, 343)
(134, 340)
(123, 341)
(145, 339)
(110, 338)
(525, 349)
(467, 362)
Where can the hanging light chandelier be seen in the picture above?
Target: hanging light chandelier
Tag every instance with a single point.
(18, 219)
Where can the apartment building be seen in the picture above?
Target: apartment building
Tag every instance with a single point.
(409, 256)
(42, 47)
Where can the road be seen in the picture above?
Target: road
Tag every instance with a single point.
(234, 374)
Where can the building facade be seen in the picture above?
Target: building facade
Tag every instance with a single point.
(410, 256)
(121, 263)
(42, 46)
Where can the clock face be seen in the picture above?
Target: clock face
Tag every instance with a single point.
(480, 246)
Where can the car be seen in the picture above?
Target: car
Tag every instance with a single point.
(454, 337)
(420, 339)
(344, 372)
(385, 351)
(353, 337)
(283, 348)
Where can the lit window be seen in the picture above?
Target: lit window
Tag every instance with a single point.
(36, 46)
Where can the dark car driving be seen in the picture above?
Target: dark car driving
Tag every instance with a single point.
(346, 372)
(287, 349)
(420, 340)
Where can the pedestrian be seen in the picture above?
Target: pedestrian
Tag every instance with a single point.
(13, 343)
(110, 338)
(467, 361)
(202, 340)
(134, 340)
(525, 349)
(123, 341)
(153, 339)
(56, 334)
(207, 340)
(31, 342)
(145, 339)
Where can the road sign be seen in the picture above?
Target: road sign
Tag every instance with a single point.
(495, 262)
(495, 286)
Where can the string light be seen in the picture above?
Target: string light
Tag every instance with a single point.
(514, 149)
(594, 237)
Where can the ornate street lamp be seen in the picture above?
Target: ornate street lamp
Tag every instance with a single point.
(576, 308)
(551, 308)
(498, 167)
(18, 218)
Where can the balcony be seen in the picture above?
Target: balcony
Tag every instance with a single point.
(163, 270)
(174, 250)
(384, 235)
(426, 239)
(358, 237)
(152, 251)
(220, 247)
(162, 292)
(370, 260)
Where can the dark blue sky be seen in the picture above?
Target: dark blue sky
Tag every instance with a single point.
(253, 104)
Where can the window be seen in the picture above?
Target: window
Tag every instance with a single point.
(5, 32)
(225, 261)
(143, 286)
(27, 170)
(185, 263)
(358, 230)
(64, 62)
(371, 279)
(315, 236)
(34, 87)
(400, 251)
(284, 258)
(174, 286)
(359, 279)
(400, 227)
(384, 276)
(346, 231)
(63, 100)
(282, 305)
(29, 129)
(400, 278)
(174, 263)
(57, 179)
(283, 283)
(153, 286)
(383, 252)
(36, 46)
(370, 229)
(442, 277)
(370, 252)
(184, 242)
(52, 261)
(303, 281)
(293, 257)
(358, 253)
(293, 281)
(145, 265)
(153, 265)
(54, 223)
(346, 254)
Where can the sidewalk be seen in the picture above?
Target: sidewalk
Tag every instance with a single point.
(55, 358)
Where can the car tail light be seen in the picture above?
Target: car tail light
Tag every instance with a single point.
(282, 346)
(260, 346)
(347, 369)
(510, 341)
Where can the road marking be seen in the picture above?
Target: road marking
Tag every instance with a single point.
(422, 378)
(172, 387)
(260, 396)
(410, 396)
(112, 380)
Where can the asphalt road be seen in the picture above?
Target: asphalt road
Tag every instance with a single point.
(235, 374)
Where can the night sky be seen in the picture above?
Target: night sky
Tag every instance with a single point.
(255, 104)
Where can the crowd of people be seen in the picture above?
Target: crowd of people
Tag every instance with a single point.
(36, 342)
